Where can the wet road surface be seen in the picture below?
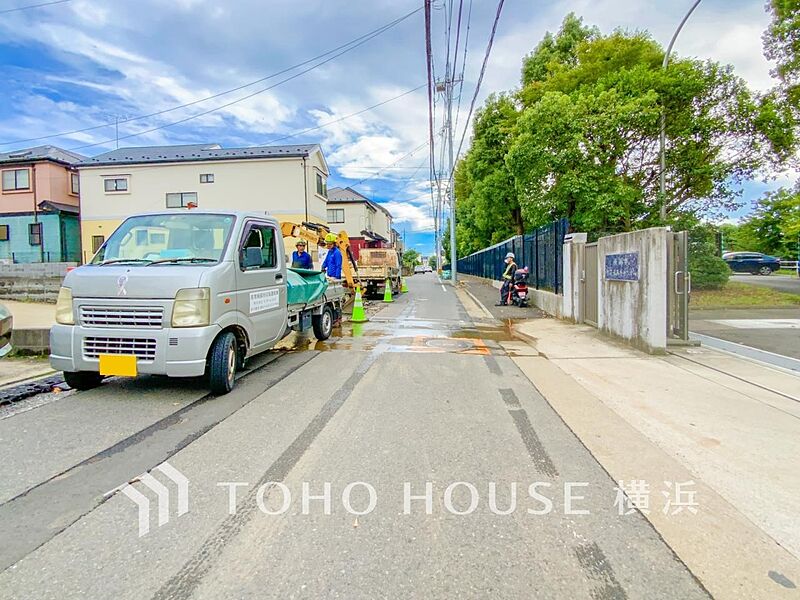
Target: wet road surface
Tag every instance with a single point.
(405, 457)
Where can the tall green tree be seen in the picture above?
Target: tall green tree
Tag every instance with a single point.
(774, 226)
(587, 137)
(782, 45)
(579, 139)
(410, 257)
(488, 210)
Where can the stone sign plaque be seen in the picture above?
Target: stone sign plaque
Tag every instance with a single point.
(622, 267)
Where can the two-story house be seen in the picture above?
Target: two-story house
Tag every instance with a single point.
(39, 200)
(288, 182)
(367, 223)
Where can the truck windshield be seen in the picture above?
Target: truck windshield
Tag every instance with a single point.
(183, 239)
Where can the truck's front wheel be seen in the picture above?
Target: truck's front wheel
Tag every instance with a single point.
(323, 324)
(222, 364)
(83, 380)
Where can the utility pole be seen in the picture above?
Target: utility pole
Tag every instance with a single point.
(446, 88)
(449, 83)
(438, 225)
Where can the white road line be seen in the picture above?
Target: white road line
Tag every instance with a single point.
(444, 289)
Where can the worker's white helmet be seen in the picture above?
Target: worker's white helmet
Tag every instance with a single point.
(510, 255)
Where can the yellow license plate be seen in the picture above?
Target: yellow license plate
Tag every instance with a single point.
(121, 365)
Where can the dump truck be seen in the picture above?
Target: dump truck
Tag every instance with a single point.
(376, 266)
(185, 294)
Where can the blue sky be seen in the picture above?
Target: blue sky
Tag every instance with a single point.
(82, 63)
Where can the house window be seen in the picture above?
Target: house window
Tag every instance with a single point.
(74, 184)
(335, 215)
(322, 186)
(97, 241)
(4, 233)
(16, 179)
(181, 199)
(207, 178)
(35, 234)
(115, 184)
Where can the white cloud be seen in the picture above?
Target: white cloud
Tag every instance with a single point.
(415, 217)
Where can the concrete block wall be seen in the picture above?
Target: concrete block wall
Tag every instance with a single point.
(34, 282)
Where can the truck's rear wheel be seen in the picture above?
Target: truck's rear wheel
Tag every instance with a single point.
(222, 364)
(83, 380)
(323, 324)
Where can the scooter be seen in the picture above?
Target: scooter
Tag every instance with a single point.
(518, 294)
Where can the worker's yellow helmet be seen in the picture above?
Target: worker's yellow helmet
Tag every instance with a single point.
(330, 238)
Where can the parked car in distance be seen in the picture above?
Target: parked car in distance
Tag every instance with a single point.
(6, 327)
(752, 262)
(428, 269)
(419, 269)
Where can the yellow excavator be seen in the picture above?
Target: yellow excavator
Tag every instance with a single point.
(314, 233)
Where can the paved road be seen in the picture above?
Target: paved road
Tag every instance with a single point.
(781, 283)
(422, 397)
(774, 330)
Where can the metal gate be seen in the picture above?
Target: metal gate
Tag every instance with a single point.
(589, 284)
(679, 286)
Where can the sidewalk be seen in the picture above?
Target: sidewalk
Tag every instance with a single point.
(31, 315)
(487, 295)
(727, 424)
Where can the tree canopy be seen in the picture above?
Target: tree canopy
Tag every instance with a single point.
(782, 45)
(579, 139)
(772, 228)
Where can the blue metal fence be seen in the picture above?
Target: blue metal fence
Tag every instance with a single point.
(540, 251)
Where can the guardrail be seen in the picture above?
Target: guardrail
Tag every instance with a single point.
(789, 264)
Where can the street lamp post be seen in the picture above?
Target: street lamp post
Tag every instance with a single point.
(663, 133)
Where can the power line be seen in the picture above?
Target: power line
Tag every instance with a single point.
(243, 98)
(463, 64)
(363, 38)
(29, 6)
(480, 77)
(429, 65)
(399, 160)
(340, 119)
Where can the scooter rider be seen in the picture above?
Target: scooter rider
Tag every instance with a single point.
(508, 278)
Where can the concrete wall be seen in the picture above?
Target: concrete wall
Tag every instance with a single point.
(32, 282)
(636, 311)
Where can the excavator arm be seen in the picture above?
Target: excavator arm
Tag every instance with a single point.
(314, 233)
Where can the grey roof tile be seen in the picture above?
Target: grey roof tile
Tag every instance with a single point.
(53, 153)
(194, 153)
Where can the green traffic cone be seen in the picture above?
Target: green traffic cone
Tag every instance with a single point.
(387, 294)
(358, 315)
(404, 286)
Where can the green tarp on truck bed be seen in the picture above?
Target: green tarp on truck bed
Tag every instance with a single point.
(304, 285)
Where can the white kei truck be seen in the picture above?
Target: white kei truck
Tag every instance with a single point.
(186, 294)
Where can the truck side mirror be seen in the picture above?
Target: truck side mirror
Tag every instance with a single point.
(251, 257)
